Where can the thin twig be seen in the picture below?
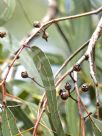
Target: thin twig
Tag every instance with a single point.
(39, 117)
(41, 103)
(9, 68)
(70, 70)
(79, 104)
(71, 57)
(75, 16)
(3, 94)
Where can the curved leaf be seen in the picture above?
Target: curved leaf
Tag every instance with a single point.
(44, 68)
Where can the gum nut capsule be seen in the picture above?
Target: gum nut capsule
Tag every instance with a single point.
(77, 67)
(24, 74)
(67, 86)
(85, 87)
(36, 24)
(64, 94)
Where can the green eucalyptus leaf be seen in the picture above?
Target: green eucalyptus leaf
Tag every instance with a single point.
(8, 125)
(44, 68)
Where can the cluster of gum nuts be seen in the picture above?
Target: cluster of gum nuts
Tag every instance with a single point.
(65, 93)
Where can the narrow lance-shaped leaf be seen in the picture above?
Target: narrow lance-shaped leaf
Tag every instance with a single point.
(8, 125)
(44, 68)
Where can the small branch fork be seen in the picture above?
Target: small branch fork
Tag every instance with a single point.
(44, 24)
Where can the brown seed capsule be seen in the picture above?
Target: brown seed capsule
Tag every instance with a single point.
(18, 57)
(67, 86)
(97, 104)
(24, 74)
(2, 34)
(77, 68)
(64, 94)
(36, 24)
(86, 57)
(85, 87)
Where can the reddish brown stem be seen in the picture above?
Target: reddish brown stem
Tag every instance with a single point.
(39, 117)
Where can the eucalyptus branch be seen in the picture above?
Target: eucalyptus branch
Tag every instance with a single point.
(45, 23)
(69, 71)
(75, 16)
(87, 55)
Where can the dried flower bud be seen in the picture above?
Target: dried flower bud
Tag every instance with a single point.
(97, 104)
(77, 67)
(18, 57)
(64, 94)
(86, 57)
(85, 87)
(67, 86)
(2, 34)
(36, 24)
(24, 74)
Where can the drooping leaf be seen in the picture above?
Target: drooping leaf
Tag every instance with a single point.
(8, 125)
(44, 68)
(8, 11)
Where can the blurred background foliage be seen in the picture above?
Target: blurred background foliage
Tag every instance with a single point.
(17, 20)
